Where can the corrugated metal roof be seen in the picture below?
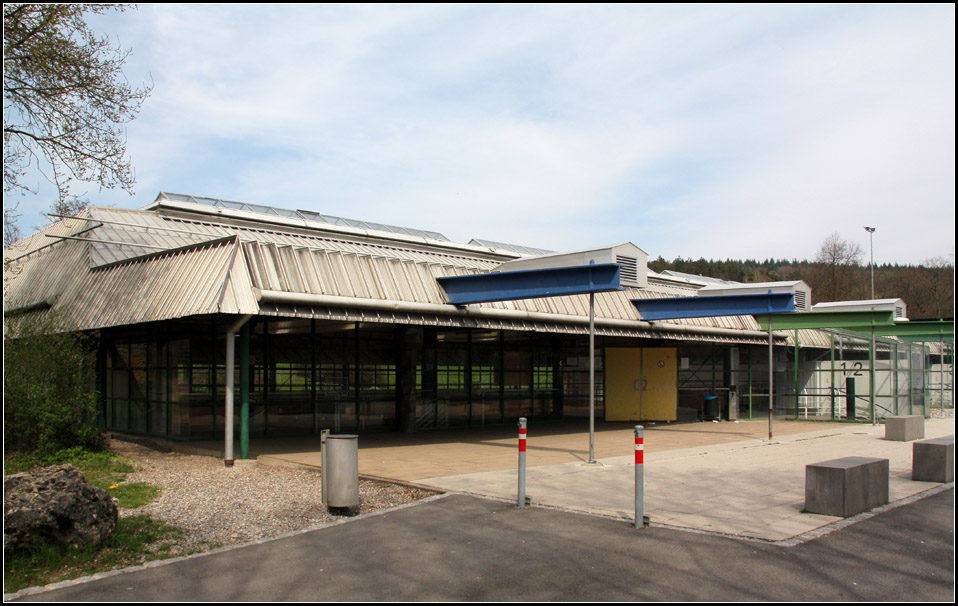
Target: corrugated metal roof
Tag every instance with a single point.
(44, 239)
(182, 282)
(151, 228)
(142, 265)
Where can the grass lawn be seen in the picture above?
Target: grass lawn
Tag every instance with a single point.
(137, 538)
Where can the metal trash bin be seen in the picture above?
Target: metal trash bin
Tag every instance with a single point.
(340, 469)
(711, 408)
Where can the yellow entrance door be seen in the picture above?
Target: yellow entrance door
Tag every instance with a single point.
(641, 384)
(623, 376)
(660, 398)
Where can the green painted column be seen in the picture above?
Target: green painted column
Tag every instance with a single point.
(951, 357)
(911, 380)
(244, 390)
(893, 348)
(831, 352)
(871, 377)
(795, 379)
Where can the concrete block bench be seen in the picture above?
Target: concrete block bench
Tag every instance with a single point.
(845, 487)
(905, 428)
(933, 460)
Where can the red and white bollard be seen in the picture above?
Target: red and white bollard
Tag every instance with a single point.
(640, 518)
(521, 499)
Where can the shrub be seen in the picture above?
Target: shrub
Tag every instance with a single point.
(50, 401)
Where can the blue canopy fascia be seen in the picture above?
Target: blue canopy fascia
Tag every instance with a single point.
(674, 308)
(531, 283)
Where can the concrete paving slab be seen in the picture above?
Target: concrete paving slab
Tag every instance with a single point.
(410, 457)
(752, 488)
(697, 475)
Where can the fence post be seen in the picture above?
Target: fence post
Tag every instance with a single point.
(640, 518)
(521, 499)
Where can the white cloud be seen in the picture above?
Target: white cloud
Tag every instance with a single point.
(692, 130)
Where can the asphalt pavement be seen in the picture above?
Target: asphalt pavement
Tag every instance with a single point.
(726, 509)
(465, 548)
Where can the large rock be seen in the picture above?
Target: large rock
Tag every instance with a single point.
(55, 505)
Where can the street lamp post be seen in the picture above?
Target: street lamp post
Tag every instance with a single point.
(871, 254)
(871, 353)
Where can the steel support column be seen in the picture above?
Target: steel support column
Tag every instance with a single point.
(230, 378)
(244, 390)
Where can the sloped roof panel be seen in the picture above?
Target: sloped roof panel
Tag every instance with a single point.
(46, 237)
(146, 231)
(152, 276)
(237, 295)
(45, 274)
(173, 284)
(184, 283)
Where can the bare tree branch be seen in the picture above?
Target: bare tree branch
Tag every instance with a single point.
(838, 275)
(65, 101)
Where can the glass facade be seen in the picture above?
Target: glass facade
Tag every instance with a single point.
(166, 378)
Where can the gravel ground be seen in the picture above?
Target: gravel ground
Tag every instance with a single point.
(217, 505)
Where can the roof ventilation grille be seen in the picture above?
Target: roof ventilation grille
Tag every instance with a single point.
(629, 271)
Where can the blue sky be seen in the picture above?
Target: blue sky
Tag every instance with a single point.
(715, 131)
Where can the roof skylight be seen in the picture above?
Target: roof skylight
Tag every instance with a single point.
(516, 248)
(306, 215)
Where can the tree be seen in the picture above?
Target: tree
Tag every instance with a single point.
(940, 274)
(65, 102)
(836, 277)
(49, 395)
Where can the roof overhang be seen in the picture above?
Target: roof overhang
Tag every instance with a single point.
(919, 330)
(531, 284)
(827, 319)
(675, 308)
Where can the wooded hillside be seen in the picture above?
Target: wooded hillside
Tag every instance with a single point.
(928, 289)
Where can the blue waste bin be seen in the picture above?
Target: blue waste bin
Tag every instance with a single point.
(710, 408)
